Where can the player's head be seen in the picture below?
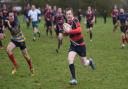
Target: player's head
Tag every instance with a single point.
(121, 10)
(49, 7)
(54, 7)
(89, 8)
(46, 5)
(59, 10)
(115, 7)
(33, 7)
(69, 14)
(11, 16)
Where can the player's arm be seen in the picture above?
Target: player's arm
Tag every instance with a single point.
(93, 20)
(75, 31)
(9, 25)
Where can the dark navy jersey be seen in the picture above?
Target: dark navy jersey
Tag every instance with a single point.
(122, 18)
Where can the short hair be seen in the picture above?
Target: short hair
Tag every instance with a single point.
(69, 9)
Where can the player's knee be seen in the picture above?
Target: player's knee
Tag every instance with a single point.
(70, 61)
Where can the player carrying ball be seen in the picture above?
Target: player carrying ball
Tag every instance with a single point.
(77, 45)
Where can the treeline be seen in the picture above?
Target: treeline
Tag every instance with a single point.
(99, 5)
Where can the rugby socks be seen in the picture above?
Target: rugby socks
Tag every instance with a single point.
(59, 43)
(29, 63)
(47, 31)
(72, 70)
(28, 24)
(11, 56)
(51, 32)
(38, 33)
(90, 35)
(1, 44)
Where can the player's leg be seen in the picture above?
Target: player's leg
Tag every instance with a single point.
(122, 39)
(126, 36)
(38, 31)
(28, 59)
(9, 50)
(60, 38)
(50, 29)
(1, 45)
(89, 30)
(34, 33)
(47, 27)
(84, 60)
(88, 62)
(71, 58)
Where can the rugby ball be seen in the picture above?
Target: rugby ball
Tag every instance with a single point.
(66, 27)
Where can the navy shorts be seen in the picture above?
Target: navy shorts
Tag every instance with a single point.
(89, 25)
(123, 29)
(48, 23)
(34, 24)
(21, 45)
(80, 50)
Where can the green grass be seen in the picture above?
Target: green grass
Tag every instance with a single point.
(52, 69)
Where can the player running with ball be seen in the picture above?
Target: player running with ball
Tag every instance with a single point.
(77, 46)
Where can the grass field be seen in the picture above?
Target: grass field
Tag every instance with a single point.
(52, 69)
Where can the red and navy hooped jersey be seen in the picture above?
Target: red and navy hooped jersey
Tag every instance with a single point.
(59, 20)
(75, 33)
(89, 16)
(48, 15)
(115, 13)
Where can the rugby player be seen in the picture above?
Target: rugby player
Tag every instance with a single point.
(33, 15)
(17, 40)
(77, 45)
(89, 20)
(123, 23)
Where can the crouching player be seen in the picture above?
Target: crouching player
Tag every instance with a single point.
(77, 45)
(123, 23)
(17, 40)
